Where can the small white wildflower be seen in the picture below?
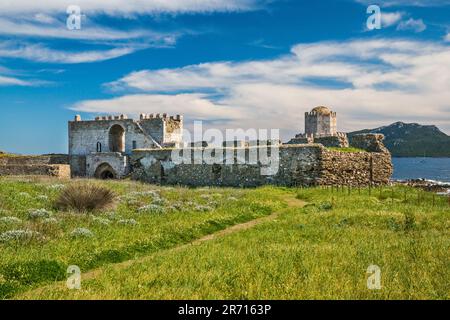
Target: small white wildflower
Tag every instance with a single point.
(177, 206)
(18, 235)
(10, 220)
(148, 193)
(56, 186)
(100, 220)
(205, 196)
(232, 199)
(212, 204)
(159, 201)
(151, 208)
(50, 220)
(24, 194)
(130, 222)
(111, 215)
(39, 213)
(81, 233)
(42, 197)
(202, 208)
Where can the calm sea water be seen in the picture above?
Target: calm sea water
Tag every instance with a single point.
(428, 168)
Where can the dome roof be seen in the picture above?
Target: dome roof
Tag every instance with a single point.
(322, 110)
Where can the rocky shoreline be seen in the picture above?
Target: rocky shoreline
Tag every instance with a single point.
(426, 185)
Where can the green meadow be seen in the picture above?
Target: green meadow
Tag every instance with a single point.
(223, 243)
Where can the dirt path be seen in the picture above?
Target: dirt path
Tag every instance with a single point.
(290, 201)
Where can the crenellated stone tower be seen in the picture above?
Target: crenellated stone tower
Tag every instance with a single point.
(321, 127)
(320, 122)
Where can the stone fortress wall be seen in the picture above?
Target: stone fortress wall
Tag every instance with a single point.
(299, 165)
(149, 150)
(55, 165)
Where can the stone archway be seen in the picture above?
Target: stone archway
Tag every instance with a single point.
(105, 172)
(117, 138)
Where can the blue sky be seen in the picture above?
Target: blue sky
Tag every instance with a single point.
(233, 64)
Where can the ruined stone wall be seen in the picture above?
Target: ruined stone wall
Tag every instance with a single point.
(372, 142)
(34, 160)
(305, 165)
(55, 165)
(297, 165)
(355, 168)
(340, 140)
(51, 170)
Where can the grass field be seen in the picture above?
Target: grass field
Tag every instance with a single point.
(317, 251)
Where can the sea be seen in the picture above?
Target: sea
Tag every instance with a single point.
(434, 169)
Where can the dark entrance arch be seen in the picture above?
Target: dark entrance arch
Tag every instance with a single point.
(117, 138)
(105, 171)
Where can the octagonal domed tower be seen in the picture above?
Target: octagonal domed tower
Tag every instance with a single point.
(320, 122)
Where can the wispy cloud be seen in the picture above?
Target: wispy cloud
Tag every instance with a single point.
(386, 80)
(10, 81)
(412, 25)
(411, 3)
(127, 7)
(57, 29)
(40, 53)
(10, 78)
(390, 18)
(35, 25)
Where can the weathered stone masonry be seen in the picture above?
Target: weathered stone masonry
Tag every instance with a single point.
(100, 148)
(299, 165)
(54, 165)
(146, 149)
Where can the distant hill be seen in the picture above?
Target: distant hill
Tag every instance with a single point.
(412, 140)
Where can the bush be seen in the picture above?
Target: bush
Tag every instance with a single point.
(409, 222)
(19, 236)
(31, 272)
(325, 206)
(39, 213)
(85, 198)
(81, 233)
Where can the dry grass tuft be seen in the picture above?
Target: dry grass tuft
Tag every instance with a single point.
(85, 197)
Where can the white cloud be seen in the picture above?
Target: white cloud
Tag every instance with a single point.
(447, 37)
(40, 53)
(196, 105)
(390, 18)
(10, 81)
(56, 29)
(126, 7)
(30, 21)
(9, 78)
(369, 83)
(412, 25)
(411, 3)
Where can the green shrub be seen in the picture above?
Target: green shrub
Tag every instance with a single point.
(31, 272)
(325, 206)
(409, 222)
